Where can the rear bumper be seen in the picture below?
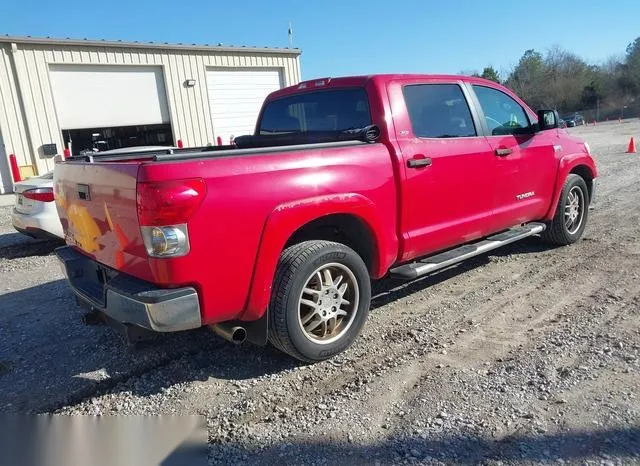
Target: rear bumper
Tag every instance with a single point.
(37, 233)
(37, 225)
(129, 300)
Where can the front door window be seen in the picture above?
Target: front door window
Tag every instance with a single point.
(503, 114)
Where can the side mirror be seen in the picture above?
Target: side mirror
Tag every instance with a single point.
(548, 119)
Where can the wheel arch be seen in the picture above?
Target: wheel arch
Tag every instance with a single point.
(351, 217)
(585, 173)
(345, 228)
(579, 164)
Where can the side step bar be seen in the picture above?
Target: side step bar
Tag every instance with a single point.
(453, 256)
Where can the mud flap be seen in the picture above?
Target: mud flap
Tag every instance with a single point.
(258, 330)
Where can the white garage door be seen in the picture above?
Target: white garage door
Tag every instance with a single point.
(99, 96)
(235, 98)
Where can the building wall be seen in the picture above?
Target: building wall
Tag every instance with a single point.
(12, 122)
(27, 109)
(5, 172)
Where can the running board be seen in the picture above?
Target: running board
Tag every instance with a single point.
(453, 256)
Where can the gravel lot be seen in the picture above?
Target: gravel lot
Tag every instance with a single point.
(528, 355)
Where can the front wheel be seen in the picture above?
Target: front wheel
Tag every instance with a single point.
(320, 300)
(570, 218)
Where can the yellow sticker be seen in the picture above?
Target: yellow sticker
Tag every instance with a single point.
(86, 231)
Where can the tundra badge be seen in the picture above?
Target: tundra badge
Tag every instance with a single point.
(525, 195)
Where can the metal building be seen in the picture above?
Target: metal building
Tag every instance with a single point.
(85, 94)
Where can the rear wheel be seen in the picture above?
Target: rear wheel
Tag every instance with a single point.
(570, 218)
(320, 300)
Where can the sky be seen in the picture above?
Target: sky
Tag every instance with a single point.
(345, 37)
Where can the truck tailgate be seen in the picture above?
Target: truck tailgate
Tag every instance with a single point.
(96, 203)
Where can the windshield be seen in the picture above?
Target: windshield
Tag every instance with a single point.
(328, 110)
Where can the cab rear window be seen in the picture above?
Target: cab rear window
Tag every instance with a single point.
(327, 110)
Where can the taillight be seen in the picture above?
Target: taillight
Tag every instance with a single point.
(167, 241)
(39, 194)
(164, 207)
(173, 202)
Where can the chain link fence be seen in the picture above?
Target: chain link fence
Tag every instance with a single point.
(609, 112)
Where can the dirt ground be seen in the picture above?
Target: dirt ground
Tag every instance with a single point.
(528, 355)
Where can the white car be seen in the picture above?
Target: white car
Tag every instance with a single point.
(34, 213)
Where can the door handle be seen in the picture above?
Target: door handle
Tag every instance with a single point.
(417, 163)
(503, 152)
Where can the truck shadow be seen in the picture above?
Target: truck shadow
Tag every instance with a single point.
(49, 358)
(17, 245)
(391, 289)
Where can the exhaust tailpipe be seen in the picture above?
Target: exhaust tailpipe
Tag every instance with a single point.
(234, 334)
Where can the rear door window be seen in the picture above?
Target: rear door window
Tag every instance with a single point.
(328, 110)
(438, 111)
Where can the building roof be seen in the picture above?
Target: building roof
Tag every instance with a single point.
(154, 45)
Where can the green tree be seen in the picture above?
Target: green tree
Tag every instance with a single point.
(566, 77)
(528, 78)
(591, 95)
(629, 79)
(491, 74)
(562, 80)
(633, 56)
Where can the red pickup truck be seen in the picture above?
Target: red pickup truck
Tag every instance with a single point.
(344, 181)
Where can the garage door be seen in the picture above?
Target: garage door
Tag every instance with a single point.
(235, 98)
(95, 96)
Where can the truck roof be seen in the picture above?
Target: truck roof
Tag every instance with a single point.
(361, 80)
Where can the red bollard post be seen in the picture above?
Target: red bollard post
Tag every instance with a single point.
(15, 170)
(219, 140)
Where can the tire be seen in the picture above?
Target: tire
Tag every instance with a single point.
(558, 231)
(295, 312)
